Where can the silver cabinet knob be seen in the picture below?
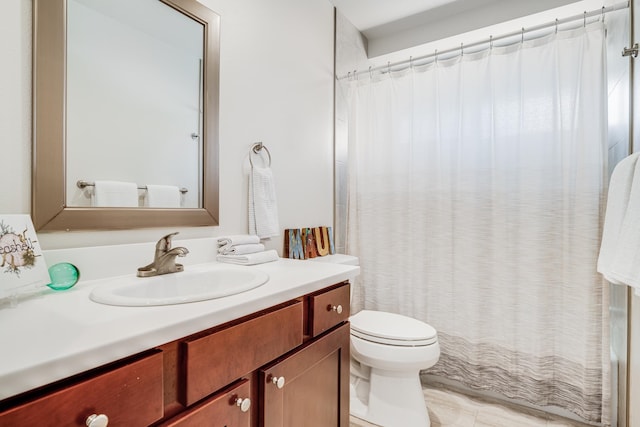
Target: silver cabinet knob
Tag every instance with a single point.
(278, 381)
(243, 404)
(96, 420)
(336, 308)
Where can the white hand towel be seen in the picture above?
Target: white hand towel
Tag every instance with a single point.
(241, 249)
(226, 242)
(115, 194)
(626, 264)
(250, 259)
(162, 196)
(617, 202)
(263, 207)
(619, 258)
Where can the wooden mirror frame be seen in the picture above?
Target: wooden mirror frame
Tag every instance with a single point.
(48, 209)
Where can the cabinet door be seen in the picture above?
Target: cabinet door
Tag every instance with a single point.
(229, 408)
(309, 387)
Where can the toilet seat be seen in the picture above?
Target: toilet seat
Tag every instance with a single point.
(392, 329)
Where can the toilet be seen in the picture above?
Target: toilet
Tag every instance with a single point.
(388, 351)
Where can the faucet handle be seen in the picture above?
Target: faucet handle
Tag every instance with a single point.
(165, 242)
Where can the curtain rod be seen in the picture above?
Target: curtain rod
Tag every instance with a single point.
(490, 40)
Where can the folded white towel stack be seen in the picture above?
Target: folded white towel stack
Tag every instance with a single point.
(226, 243)
(242, 249)
(250, 259)
(263, 207)
(115, 194)
(162, 196)
(619, 258)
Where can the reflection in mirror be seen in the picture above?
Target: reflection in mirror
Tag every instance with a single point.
(134, 72)
(162, 136)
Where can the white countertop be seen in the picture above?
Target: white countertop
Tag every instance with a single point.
(55, 335)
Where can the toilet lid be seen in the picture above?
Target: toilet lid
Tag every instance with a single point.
(392, 329)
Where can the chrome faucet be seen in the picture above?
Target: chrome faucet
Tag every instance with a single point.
(164, 260)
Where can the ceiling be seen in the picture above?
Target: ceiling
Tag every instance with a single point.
(394, 25)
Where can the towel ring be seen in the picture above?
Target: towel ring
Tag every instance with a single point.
(256, 149)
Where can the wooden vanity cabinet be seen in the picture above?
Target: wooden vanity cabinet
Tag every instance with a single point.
(295, 356)
(284, 366)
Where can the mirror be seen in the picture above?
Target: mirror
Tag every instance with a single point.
(164, 134)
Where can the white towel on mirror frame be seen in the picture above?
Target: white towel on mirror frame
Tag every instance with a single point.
(115, 194)
(263, 206)
(241, 249)
(162, 196)
(619, 257)
(250, 259)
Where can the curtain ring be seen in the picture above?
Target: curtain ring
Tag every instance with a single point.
(556, 25)
(584, 23)
(436, 56)
(602, 13)
(411, 62)
(522, 37)
(461, 49)
(491, 42)
(349, 76)
(389, 67)
(370, 73)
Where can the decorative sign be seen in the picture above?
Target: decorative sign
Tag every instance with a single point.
(305, 243)
(22, 266)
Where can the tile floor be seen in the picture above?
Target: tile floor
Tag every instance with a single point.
(450, 409)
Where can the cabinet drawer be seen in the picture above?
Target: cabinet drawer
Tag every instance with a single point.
(130, 395)
(213, 361)
(221, 410)
(328, 308)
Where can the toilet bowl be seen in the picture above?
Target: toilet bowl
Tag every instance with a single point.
(388, 351)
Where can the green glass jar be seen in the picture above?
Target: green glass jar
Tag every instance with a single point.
(63, 276)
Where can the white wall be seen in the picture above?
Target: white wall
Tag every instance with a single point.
(276, 83)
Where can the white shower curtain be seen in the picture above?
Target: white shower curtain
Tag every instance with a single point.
(475, 204)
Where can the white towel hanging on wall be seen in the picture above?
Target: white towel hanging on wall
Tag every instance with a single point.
(263, 205)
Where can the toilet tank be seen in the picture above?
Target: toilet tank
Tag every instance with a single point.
(340, 259)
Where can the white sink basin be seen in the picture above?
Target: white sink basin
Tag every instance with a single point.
(196, 283)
